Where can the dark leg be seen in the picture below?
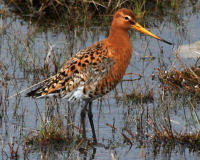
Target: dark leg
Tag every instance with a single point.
(90, 116)
(93, 153)
(83, 120)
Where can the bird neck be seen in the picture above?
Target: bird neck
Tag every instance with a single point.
(119, 37)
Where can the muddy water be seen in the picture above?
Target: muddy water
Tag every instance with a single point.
(23, 49)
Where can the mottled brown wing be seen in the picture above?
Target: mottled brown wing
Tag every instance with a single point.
(87, 66)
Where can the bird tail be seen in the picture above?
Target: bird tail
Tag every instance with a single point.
(35, 93)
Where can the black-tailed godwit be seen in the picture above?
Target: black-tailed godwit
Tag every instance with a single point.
(96, 70)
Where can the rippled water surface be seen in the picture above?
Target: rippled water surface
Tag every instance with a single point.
(23, 48)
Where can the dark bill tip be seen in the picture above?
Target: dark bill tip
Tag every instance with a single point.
(166, 41)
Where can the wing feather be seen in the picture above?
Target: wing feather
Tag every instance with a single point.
(87, 66)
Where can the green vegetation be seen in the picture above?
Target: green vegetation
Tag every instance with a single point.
(85, 12)
(53, 132)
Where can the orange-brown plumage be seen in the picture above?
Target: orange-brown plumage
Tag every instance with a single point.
(96, 70)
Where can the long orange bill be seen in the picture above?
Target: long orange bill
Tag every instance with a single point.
(138, 27)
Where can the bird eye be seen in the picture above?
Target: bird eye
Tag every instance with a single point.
(126, 18)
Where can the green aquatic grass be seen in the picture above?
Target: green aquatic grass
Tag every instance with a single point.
(52, 132)
(73, 13)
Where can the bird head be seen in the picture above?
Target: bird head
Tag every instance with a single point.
(125, 19)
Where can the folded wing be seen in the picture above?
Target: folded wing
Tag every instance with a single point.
(88, 66)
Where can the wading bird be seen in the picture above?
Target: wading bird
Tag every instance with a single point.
(96, 70)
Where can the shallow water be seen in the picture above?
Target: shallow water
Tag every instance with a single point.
(23, 49)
